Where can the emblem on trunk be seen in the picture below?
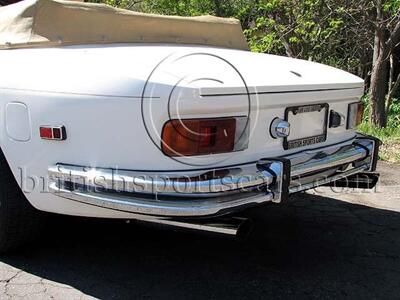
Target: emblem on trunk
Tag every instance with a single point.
(279, 128)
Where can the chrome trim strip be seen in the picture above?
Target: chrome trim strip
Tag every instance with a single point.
(172, 208)
(279, 92)
(323, 181)
(178, 184)
(319, 160)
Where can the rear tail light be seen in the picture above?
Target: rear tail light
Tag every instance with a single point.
(192, 137)
(355, 115)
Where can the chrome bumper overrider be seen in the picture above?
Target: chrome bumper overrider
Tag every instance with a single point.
(212, 192)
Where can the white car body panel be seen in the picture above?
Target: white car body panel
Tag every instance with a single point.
(97, 91)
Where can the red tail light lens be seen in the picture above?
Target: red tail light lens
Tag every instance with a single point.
(53, 133)
(198, 136)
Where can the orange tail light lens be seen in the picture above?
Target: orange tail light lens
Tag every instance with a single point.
(355, 115)
(360, 113)
(199, 136)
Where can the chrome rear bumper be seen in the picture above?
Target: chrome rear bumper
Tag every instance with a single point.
(212, 192)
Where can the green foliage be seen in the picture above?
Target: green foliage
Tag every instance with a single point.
(222, 8)
(392, 6)
(116, 3)
(394, 115)
(317, 30)
(178, 7)
(390, 135)
(393, 118)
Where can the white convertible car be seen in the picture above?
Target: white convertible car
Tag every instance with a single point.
(114, 114)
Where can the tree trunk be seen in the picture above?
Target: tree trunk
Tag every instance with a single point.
(378, 91)
(218, 8)
(288, 48)
(377, 44)
(379, 72)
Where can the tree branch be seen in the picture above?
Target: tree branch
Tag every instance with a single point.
(394, 38)
(132, 4)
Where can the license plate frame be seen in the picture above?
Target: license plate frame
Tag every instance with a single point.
(310, 140)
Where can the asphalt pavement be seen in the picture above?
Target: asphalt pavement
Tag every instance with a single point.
(322, 244)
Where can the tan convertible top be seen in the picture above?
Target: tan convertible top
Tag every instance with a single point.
(43, 23)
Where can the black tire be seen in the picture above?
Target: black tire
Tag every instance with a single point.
(20, 222)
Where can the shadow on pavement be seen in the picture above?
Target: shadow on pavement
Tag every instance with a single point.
(309, 247)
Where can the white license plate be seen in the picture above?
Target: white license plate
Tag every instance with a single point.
(308, 125)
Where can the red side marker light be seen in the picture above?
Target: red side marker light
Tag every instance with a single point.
(57, 133)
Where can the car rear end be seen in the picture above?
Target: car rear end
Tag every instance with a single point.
(166, 133)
